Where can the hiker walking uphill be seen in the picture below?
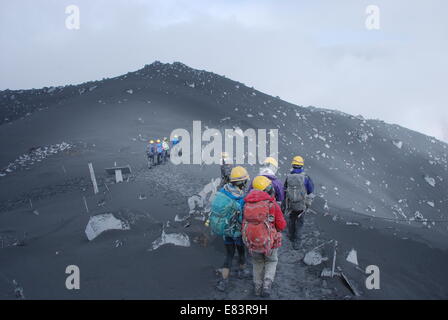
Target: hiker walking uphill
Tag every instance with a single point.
(269, 170)
(159, 151)
(174, 142)
(166, 149)
(226, 169)
(299, 190)
(151, 153)
(262, 225)
(225, 220)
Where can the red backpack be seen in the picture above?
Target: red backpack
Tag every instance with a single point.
(259, 234)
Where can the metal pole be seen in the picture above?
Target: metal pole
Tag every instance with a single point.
(334, 258)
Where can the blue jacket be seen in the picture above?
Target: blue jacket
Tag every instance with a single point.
(159, 148)
(309, 185)
(175, 141)
(152, 149)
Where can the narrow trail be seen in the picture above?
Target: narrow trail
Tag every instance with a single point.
(294, 279)
(170, 182)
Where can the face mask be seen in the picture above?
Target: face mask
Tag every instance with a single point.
(270, 190)
(241, 185)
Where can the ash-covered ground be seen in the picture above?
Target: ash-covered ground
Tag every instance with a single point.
(381, 191)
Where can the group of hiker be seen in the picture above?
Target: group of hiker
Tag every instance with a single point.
(158, 151)
(250, 216)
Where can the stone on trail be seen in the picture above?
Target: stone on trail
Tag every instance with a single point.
(430, 181)
(313, 258)
(103, 222)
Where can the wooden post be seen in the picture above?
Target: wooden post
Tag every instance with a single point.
(85, 203)
(118, 176)
(92, 176)
(334, 258)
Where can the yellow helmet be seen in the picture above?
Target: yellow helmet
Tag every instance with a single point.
(158, 140)
(239, 174)
(224, 155)
(271, 160)
(298, 161)
(151, 141)
(261, 183)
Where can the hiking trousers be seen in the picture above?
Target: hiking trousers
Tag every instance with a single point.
(231, 246)
(296, 220)
(264, 267)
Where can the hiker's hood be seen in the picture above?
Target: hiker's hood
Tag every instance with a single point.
(297, 170)
(232, 191)
(270, 176)
(265, 171)
(257, 195)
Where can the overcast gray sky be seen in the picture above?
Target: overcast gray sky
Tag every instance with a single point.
(307, 52)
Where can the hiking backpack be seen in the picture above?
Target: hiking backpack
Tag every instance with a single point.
(223, 216)
(259, 234)
(296, 192)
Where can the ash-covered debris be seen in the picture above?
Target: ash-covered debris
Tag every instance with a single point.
(33, 156)
(177, 239)
(104, 222)
(313, 258)
(18, 290)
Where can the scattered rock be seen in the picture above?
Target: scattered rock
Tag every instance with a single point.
(398, 143)
(142, 197)
(313, 258)
(430, 181)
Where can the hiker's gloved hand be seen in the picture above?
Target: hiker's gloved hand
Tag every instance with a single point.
(283, 206)
(309, 200)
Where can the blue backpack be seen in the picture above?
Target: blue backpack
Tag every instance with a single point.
(224, 217)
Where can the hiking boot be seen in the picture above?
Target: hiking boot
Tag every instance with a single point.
(257, 289)
(222, 285)
(243, 273)
(267, 288)
(296, 244)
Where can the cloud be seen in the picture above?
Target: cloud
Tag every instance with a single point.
(318, 53)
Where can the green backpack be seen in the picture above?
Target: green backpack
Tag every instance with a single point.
(224, 217)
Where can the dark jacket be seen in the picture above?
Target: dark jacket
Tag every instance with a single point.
(309, 185)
